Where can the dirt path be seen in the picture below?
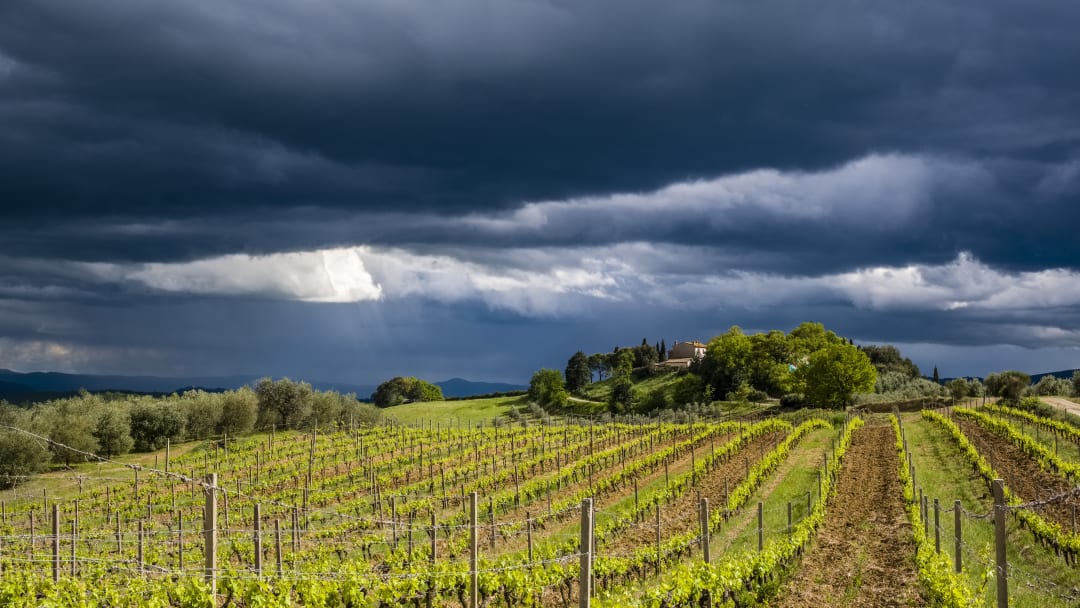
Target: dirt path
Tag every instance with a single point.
(1065, 404)
(863, 552)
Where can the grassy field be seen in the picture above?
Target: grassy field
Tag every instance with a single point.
(601, 391)
(451, 412)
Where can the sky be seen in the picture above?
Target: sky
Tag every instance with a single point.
(350, 190)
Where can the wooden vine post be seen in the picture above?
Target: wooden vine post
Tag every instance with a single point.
(277, 546)
(957, 532)
(937, 526)
(210, 532)
(56, 542)
(999, 545)
(585, 547)
(139, 549)
(760, 526)
(703, 514)
(528, 533)
(180, 543)
(258, 541)
(434, 537)
(658, 539)
(474, 576)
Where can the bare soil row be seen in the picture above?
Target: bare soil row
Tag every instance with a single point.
(863, 554)
(1022, 474)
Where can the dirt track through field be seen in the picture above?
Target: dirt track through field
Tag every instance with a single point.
(863, 553)
(1064, 404)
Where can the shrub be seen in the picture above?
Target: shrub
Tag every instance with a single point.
(757, 396)
(403, 389)
(793, 400)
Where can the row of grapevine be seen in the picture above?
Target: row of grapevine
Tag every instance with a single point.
(945, 587)
(347, 478)
(1048, 532)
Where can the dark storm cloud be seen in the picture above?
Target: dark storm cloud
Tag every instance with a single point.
(178, 110)
(512, 167)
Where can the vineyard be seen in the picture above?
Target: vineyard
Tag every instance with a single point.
(565, 513)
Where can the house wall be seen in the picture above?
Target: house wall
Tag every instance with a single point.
(686, 350)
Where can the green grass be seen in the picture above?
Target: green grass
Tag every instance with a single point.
(451, 412)
(1066, 450)
(944, 473)
(601, 391)
(63, 484)
(790, 483)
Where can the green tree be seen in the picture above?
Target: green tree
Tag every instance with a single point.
(740, 393)
(239, 410)
(688, 389)
(621, 364)
(886, 358)
(767, 363)
(283, 403)
(1076, 383)
(1050, 385)
(152, 422)
(663, 350)
(327, 408)
(598, 364)
(20, 454)
(645, 356)
(621, 399)
(358, 412)
(201, 417)
(1008, 385)
(727, 361)
(958, 388)
(113, 432)
(403, 389)
(70, 426)
(833, 374)
(577, 372)
(808, 338)
(547, 389)
(976, 388)
(937, 379)
(657, 399)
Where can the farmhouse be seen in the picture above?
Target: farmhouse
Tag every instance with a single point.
(681, 354)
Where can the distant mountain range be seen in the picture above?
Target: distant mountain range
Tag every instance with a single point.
(18, 387)
(1067, 374)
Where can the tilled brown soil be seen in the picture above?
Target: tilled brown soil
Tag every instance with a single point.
(863, 554)
(1021, 473)
(681, 515)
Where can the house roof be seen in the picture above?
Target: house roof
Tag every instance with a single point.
(679, 361)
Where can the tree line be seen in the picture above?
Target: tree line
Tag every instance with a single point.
(809, 364)
(116, 424)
